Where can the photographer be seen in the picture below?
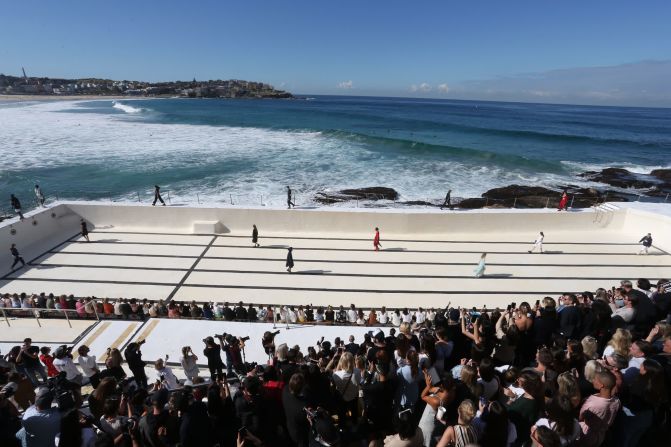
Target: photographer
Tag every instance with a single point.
(213, 353)
(268, 343)
(234, 348)
(32, 367)
(76, 430)
(188, 362)
(135, 363)
(64, 363)
(118, 427)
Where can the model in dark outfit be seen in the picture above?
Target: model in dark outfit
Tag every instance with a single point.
(17, 256)
(448, 200)
(290, 202)
(290, 260)
(16, 205)
(255, 236)
(85, 231)
(157, 195)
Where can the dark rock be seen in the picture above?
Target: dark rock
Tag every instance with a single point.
(419, 203)
(371, 193)
(512, 191)
(662, 174)
(621, 178)
(472, 203)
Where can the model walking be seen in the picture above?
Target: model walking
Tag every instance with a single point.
(448, 200)
(157, 196)
(290, 202)
(85, 230)
(290, 260)
(563, 202)
(376, 240)
(16, 205)
(479, 271)
(538, 243)
(17, 256)
(646, 243)
(39, 196)
(255, 236)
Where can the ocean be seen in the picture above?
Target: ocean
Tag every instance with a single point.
(247, 151)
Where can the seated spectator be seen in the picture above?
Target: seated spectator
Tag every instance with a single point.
(40, 423)
(463, 433)
(598, 411)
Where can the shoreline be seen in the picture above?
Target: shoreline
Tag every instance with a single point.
(21, 98)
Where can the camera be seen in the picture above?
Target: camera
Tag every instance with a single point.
(141, 342)
(243, 339)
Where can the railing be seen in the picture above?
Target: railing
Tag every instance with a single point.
(235, 198)
(41, 313)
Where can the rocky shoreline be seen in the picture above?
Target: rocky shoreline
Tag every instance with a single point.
(620, 185)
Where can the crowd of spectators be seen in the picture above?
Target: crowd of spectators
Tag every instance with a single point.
(585, 369)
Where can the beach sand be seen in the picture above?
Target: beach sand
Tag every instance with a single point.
(57, 97)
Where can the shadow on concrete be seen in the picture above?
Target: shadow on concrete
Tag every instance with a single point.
(552, 252)
(313, 272)
(101, 240)
(274, 246)
(395, 249)
(498, 275)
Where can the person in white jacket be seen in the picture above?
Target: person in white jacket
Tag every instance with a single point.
(538, 243)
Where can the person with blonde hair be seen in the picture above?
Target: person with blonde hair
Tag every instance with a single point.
(479, 271)
(567, 386)
(619, 343)
(589, 347)
(346, 379)
(463, 433)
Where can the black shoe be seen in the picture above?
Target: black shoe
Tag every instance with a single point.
(529, 251)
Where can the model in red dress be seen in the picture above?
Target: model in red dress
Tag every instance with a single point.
(376, 240)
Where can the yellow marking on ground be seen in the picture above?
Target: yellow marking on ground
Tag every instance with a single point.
(93, 337)
(148, 329)
(120, 339)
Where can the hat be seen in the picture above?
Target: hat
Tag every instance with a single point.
(379, 336)
(44, 397)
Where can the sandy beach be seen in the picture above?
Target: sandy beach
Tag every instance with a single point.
(58, 97)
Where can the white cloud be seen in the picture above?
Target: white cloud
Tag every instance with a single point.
(423, 87)
(346, 85)
(443, 88)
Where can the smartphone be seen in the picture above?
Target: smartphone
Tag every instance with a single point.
(242, 432)
(484, 402)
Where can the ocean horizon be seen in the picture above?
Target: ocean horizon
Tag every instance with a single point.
(247, 151)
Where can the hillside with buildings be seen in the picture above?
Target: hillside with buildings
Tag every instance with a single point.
(233, 88)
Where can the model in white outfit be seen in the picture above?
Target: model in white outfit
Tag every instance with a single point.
(538, 243)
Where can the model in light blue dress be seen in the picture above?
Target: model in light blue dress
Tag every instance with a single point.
(479, 271)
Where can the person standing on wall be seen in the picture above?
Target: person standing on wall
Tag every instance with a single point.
(538, 243)
(563, 202)
(376, 240)
(448, 200)
(16, 205)
(39, 196)
(157, 196)
(255, 236)
(290, 260)
(290, 202)
(85, 230)
(17, 256)
(646, 243)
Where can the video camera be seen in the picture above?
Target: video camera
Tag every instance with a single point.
(231, 339)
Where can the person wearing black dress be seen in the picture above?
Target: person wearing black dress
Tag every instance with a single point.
(290, 202)
(16, 205)
(17, 256)
(85, 231)
(255, 236)
(290, 260)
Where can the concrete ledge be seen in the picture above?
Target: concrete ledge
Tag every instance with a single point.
(207, 227)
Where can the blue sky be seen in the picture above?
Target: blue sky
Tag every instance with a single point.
(512, 50)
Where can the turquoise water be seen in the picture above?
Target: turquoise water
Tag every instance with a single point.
(248, 150)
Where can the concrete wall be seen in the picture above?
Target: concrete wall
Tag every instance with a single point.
(352, 222)
(38, 232)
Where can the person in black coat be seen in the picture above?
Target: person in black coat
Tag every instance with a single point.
(290, 260)
(546, 324)
(569, 317)
(17, 256)
(255, 236)
(294, 403)
(85, 231)
(135, 363)
(16, 205)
